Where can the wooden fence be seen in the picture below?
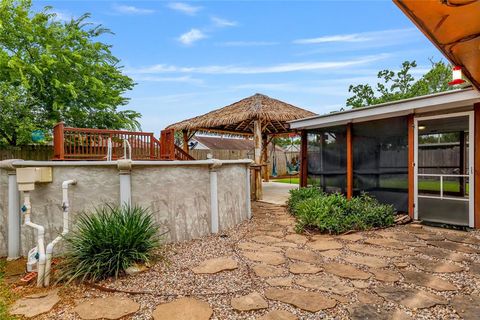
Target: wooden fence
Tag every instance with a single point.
(32, 152)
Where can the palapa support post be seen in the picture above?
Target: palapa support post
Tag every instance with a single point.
(185, 141)
(266, 173)
(257, 137)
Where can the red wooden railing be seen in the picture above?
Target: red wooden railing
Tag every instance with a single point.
(93, 144)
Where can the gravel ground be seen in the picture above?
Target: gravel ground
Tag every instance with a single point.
(172, 277)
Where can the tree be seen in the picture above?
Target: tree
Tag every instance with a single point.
(401, 85)
(53, 71)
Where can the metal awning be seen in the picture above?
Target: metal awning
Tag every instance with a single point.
(453, 26)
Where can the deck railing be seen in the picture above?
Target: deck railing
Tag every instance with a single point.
(93, 144)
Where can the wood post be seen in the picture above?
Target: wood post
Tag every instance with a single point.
(476, 164)
(59, 141)
(411, 165)
(349, 162)
(257, 136)
(266, 173)
(167, 144)
(303, 159)
(185, 140)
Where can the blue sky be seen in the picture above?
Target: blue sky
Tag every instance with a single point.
(192, 57)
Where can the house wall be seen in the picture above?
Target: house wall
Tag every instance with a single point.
(177, 192)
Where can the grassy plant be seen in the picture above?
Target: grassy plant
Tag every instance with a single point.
(298, 195)
(335, 214)
(6, 295)
(108, 241)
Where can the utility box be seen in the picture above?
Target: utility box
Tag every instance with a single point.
(27, 177)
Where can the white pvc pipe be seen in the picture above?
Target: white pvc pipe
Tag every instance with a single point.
(40, 239)
(13, 217)
(247, 190)
(51, 245)
(125, 189)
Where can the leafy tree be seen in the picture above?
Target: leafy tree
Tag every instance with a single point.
(53, 71)
(401, 85)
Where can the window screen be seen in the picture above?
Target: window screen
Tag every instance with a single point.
(380, 160)
(327, 159)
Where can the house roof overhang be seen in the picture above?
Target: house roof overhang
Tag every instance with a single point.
(429, 103)
(453, 26)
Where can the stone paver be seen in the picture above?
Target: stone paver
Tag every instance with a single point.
(370, 261)
(330, 254)
(106, 308)
(399, 236)
(453, 246)
(302, 255)
(268, 257)
(302, 267)
(296, 238)
(353, 237)
(434, 266)
(278, 315)
(386, 275)
(346, 271)
(371, 250)
(410, 298)
(474, 269)
(216, 265)
(265, 271)
(280, 281)
(369, 298)
(35, 304)
(325, 283)
(462, 238)
(426, 280)
(252, 301)
(442, 254)
(305, 300)
(266, 239)
(370, 312)
(183, 309)
(468, 307)
(324, 245)
(389, 243)
(253, 246)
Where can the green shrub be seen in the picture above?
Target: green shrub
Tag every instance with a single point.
(298, 195)
(335, 214)
(108, 241)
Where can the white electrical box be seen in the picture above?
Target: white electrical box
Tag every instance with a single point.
(27, 177)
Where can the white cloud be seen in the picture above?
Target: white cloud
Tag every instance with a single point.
(220, 22)
(358, 37)
(63, 15)
(279, 68)
(184, 8)
(247, 43)
(192, 36)
(125, 9)
(182, 79)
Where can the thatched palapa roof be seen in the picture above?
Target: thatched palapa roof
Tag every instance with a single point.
(238, 117)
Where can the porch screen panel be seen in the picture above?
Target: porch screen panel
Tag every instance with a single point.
(327, 159)
(380, 160)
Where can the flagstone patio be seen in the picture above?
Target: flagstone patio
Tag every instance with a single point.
(263, 270)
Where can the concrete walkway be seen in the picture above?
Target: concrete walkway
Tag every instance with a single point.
(277, 192)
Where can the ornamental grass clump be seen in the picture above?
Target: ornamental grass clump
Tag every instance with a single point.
(299, 195)
(334, 213)
(106, 242)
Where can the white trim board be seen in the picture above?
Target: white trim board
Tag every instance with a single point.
(435, 102)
